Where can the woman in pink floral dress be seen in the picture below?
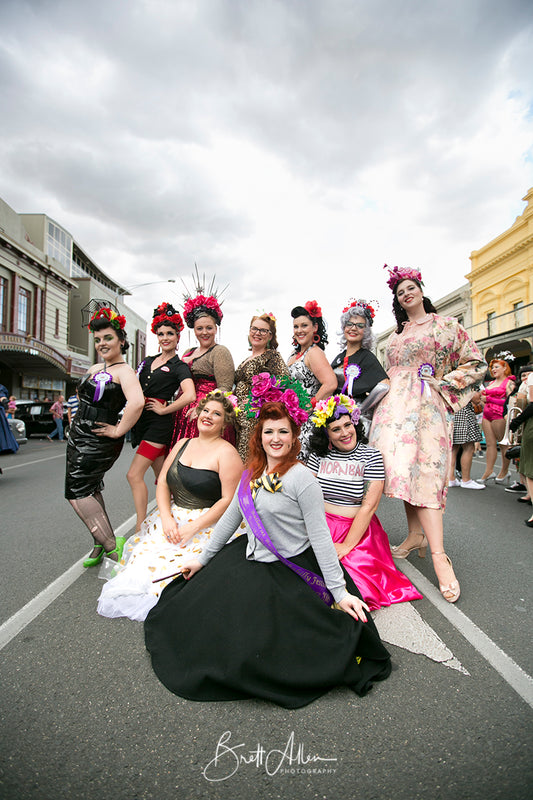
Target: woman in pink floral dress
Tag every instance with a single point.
(433, 366)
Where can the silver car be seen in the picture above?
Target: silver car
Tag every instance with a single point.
(18, 429)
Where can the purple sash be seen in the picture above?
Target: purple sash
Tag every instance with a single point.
(314, 581)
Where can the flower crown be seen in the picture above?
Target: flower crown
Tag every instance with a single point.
(267, 388)
(398, 274)
(199, 306)
(368, 311)
(117, 321)
(205, 302)
(268, 314)
(334, 407)
(166, 313)
(216, 394)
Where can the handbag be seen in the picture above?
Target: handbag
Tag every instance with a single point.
(513, 452)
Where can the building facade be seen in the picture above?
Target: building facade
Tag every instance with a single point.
(501, 281)
(45, 280)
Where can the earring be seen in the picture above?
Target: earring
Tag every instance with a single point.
(316, 338)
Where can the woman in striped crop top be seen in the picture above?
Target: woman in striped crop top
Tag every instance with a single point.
(351, 476)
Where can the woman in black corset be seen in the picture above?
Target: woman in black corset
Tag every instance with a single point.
(200, 475)
(96, 436)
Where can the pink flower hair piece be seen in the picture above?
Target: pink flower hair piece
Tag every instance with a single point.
(398, 274)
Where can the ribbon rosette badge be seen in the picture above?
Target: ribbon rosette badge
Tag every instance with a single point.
(425, 371)
(101, 378)
(353, 371)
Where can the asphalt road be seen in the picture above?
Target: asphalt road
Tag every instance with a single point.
(85, 717)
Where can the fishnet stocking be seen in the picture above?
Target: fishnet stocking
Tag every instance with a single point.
(91, 510)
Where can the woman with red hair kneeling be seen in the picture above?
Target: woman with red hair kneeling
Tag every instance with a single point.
(277, 617)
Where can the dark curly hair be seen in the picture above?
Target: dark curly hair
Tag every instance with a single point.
(400, 313)
(300, 311)
(319, 440)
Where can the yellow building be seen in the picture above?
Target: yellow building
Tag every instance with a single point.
(502, 290)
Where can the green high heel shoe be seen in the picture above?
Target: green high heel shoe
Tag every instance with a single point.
(120, 541)
(95, 560)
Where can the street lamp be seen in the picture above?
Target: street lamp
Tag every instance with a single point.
(128, 289)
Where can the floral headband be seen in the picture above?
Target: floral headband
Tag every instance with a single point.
(505, 355)
(166, 313)
(199, 306)
(266, 388)
(216, 394)
(117, 321)
(334, 407)
(398, 274)
(361, 309)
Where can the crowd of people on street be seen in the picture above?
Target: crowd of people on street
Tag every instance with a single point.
(269, 477)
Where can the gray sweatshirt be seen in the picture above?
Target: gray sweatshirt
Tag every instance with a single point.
(294, 518)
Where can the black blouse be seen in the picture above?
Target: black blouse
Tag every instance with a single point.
(164, 381)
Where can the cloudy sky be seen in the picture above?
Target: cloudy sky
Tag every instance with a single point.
(292, 147)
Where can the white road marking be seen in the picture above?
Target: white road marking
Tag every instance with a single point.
(510, 671)
(513, 674)
(37, 461)
(15, 624)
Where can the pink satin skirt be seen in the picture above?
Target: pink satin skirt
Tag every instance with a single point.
(185, 426)
(371, 565)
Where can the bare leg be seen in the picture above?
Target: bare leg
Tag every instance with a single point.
(136, 473)
(492, 448)
(455, 450)
(431, 521)
(498, 427)
(466, 461)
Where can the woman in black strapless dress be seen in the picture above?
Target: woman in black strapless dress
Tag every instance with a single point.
(201, 475)
(96, 437)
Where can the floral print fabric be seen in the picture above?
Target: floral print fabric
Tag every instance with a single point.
(413, 424)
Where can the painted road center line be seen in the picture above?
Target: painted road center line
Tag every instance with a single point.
(15, 624)
(513, 674)
(37, 461)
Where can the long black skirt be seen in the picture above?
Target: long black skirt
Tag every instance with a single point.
(240, 629)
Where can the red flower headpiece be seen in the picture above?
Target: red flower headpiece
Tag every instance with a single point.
(199, 306)
(166, 313)
(313, 309)
(366, 307)
(398, 274)
(117, 321)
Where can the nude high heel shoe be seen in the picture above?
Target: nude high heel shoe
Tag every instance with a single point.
(401, 551)
(452, 591)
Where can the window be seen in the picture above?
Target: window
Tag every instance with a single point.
(57, 324)
(490, 322)
(59, 245)
(3, 304)
(24, 311)
(518, 314)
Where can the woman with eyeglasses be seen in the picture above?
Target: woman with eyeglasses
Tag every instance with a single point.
(358, 371)
(264, 358)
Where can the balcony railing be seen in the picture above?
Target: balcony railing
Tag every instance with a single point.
(503, 323)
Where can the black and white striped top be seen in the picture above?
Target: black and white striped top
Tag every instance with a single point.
(342, 475)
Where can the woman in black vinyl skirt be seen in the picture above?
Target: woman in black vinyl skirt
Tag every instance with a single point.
(96, 436)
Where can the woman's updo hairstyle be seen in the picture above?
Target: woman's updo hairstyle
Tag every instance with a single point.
(218, 396)
(271, 322)
(312, 311)
(100, 323)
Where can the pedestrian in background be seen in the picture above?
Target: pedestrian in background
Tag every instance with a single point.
(58, 410)
(72, 406)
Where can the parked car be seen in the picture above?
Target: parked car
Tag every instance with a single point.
(18, 429)
(38, 418)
